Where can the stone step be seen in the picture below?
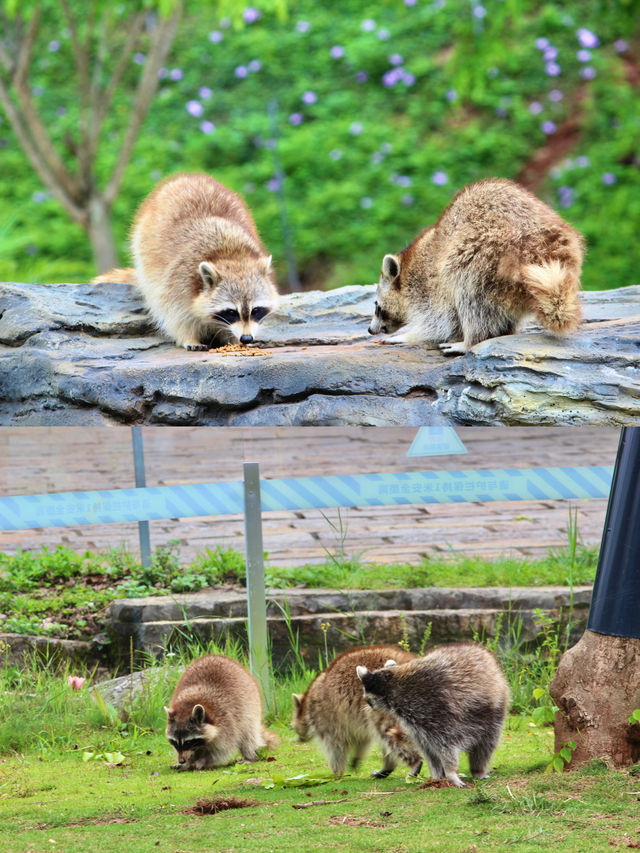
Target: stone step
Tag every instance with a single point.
(328, 621)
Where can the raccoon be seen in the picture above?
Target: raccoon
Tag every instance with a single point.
(199, 263)
(496, 254)
(452, 700)
(333, 709)
(215, 710)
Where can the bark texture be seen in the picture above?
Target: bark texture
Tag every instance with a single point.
(596, 688)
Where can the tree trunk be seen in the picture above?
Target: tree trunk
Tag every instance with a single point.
(596, 688)
(100, 234)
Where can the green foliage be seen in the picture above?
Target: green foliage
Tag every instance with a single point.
(561, 758)
(635, 717)
(371, 161)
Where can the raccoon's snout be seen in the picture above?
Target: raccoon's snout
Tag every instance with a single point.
(373, 331)
(246, 339)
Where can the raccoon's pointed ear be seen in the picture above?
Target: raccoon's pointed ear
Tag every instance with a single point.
(390, 267)
(389, 663)
(209, 275)
(361, 671)
(265, 265)
(297, 700)
(170, 714)
(198, 714)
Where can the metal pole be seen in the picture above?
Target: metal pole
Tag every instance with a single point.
(287, 235)
(141, 482)
(615, 603)
(256, 598)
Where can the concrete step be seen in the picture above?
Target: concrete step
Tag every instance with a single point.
(327, 621)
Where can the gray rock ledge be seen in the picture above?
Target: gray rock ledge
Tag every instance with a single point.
(86, 354)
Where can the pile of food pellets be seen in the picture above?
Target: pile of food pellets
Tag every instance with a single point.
(238, 349)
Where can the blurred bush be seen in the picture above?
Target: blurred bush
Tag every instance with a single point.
(384, 110)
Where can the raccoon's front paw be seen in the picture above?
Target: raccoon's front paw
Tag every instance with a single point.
(196, 347)
(393, 339)
(181, 767)
(381, 774)
(457, 348)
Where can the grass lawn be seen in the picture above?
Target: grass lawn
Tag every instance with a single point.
(56, 801)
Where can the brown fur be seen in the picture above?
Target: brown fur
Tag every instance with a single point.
(333, 710)
(200, 263)
(452, 700)
(117, 276)
(496, 254)
(215, 710)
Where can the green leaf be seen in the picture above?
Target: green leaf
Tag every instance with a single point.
(566, 753)
(538, 692)
(557, 763)
(87, 756)
(635, 716)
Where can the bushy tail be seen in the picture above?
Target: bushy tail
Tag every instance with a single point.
(553, 288)
(117, 276)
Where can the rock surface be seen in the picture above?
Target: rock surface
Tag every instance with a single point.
(330, 620)
(86, 354)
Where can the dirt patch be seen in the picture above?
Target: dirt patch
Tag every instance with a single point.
(353, 820)
(219, 804)
(436, 783)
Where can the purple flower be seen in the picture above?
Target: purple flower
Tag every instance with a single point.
(492, 72)
(407, 198)
(61, 111)
(139, 58)
(54, 45)
(368, 25)
(39, 196)
(587, 73)
(32, 250)
(366, 202)
(386, 148)
(384, 35)
(205, 93)
(587, 38)
(241, 72)
(621, 45)
(335, 154)
(410, 2)
(395, 59)
(552, 69)
(309, 98)
(337, 51)
(303, 26)
(251, 15)
(176, 74)
(162, 73)
(451, 95)
(390, 78)
(535, 108)
(255, 65)
(583, 161)
(548, 127)
(565, 195)
(296, 119)
(408, 79)
(479, 12)
(550, 53)
(501, 112)
(207, 127)
(583, 55)
(542, 43)
(195, 108)
(362, 76)
(555, 95)
(440, 178)
(377, 157)
(356, 128)
(37, 91)
(403, 181)
(273, 185)
(216, 36)
(608, 179)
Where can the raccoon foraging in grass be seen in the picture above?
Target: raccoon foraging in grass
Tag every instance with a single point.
(452, 700)
(215, 710)
(199, 263)
(496, 254)
(333, 710)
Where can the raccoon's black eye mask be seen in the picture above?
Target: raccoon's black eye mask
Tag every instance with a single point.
(192, 743)
(228, 316)
(382, 315)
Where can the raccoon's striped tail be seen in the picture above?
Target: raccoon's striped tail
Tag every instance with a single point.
(271, 740)
(553, 289)
(117, 276)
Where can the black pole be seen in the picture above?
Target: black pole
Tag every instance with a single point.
(615, 603)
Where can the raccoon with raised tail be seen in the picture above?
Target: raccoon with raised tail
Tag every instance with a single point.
(496, 254)
(216, 711)
(452, 700)
(333, 710)
(199, 263)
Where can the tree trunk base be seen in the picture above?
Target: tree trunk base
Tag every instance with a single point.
(596, 688)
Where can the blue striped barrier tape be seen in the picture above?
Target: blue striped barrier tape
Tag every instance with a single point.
(436, 441)
(67, 509)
